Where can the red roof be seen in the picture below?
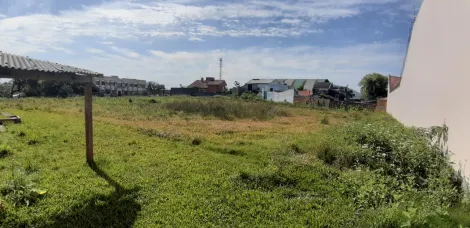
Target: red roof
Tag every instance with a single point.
(216, 82)
(198, 84)
(203, 84)
(394, 82)
(305, 93)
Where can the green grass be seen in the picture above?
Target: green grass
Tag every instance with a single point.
(173, 162)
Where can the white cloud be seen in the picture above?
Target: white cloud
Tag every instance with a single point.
(94, 51)
(195, 39)
(291, 21)
(2, 15)
(125, 52)
(132, 20)
(344, 65)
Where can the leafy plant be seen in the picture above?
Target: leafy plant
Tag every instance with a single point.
(19, 190)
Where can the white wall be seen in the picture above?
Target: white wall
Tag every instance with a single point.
(286, 96)
(436, 78)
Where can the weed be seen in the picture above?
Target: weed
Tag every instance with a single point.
(162, 135)
(19, 190)
(229, 151)
(30, 167)
(296, 149)
(153, 101)
(5, 150)
(196, 141)
(21, 134)
(266, 181)
(33, 142)
(324, 120)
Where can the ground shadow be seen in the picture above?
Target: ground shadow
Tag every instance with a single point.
(119, 209)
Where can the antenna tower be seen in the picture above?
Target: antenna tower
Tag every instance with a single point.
(221, 65)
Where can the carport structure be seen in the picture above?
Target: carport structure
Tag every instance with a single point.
(21, 67)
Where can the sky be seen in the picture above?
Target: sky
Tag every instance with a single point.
(178, 41)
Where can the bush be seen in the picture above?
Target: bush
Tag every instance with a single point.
(19, 190)
(227, 109)
(390, 166)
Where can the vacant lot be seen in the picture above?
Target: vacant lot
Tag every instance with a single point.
(179, 162)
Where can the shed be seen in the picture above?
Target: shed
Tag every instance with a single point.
(21, 67)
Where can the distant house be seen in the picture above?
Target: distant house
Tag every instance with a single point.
(209, 85)
(393, 82)
(258, 84)
(283, 84)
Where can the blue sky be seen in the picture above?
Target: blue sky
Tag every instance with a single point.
(177, 41)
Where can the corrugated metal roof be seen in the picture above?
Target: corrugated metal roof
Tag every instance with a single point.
(17, 62)
(309, 84)
(322, 85)
(299, 83)
(260, 81)
(289, 82)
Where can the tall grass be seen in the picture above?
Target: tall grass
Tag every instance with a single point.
(227, 109)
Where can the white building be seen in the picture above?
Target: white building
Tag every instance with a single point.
(120, 86)
(434, 85)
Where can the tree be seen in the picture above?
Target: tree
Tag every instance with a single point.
(18, 86)
(237, 84)
(65, 91)
(154, 88)
(5, 89)
(374, 86)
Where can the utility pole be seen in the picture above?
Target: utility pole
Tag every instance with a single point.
(221, 65)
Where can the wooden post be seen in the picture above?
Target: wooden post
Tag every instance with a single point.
(89, 121)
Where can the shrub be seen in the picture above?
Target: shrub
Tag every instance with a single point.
(19, 190)
(390, 164)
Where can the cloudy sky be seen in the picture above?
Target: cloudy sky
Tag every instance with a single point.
(177, 41)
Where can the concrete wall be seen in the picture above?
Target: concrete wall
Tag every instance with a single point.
(286, 96)
(436, 77)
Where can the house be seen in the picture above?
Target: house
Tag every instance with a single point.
(302, 84)
(435, 77)
(283, 84)
(209, 85)
(257, 84)
(393, 83)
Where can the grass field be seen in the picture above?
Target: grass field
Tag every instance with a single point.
(188, 162)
